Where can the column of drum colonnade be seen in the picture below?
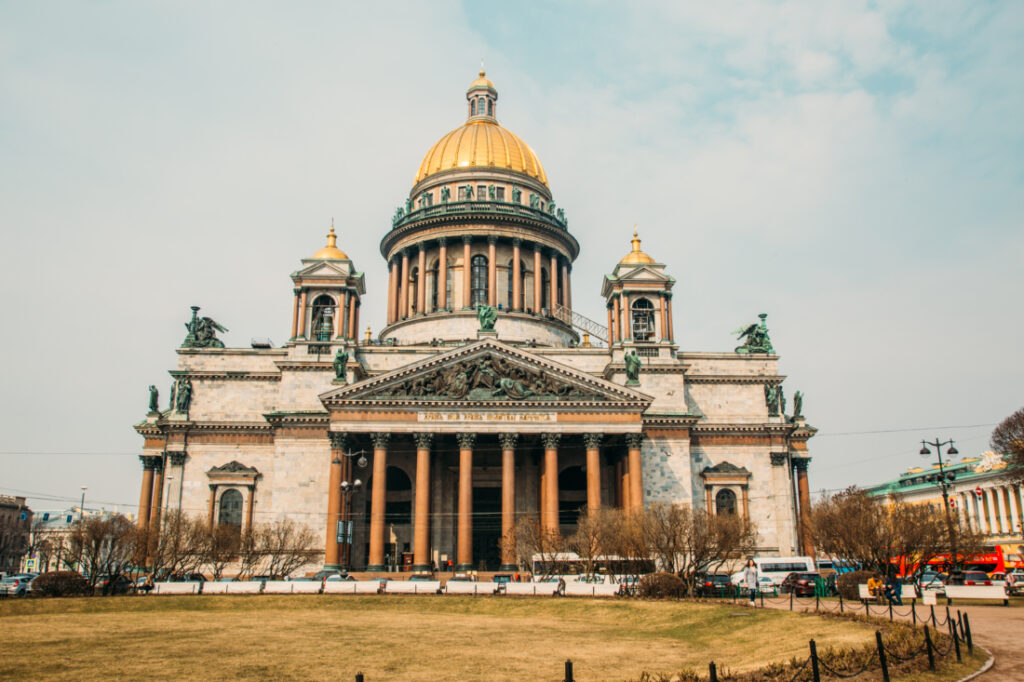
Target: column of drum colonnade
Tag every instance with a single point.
(630, 482)
(400, 266)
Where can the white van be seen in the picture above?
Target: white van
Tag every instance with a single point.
(778, 567)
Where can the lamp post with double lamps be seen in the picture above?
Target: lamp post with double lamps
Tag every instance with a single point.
(944, 481)
(348, 488)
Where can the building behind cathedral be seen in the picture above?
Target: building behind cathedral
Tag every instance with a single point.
(455, 429)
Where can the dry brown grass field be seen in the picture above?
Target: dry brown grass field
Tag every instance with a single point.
(304, 637)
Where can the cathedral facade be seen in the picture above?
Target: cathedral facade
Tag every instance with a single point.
(484, 398)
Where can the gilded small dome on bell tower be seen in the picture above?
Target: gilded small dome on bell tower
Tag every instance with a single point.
(331, 251)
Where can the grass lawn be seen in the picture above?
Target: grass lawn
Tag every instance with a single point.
(393, 638)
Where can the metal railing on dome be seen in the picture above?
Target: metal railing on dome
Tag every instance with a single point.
(455, 208)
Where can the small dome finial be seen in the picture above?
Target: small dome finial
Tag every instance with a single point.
(331, 250)
(636, 240)
(482, 72)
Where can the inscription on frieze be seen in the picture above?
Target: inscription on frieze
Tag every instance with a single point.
(486, 417)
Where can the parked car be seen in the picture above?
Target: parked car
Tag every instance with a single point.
(800, 584)
(457, 578)
(502, 578)
(591, 579)
(423, 576)
(119, 584)
(931, 581)
(335, 577)
(714, 585)
(971, 578)
(16, 585)
(186, 578)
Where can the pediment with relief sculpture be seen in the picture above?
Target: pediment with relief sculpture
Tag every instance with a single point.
(489, 372)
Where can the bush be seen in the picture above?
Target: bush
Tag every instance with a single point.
(847, 583)
(661, 585)
(60, 584)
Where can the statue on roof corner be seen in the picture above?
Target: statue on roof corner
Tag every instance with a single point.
(487, 316)
(757, 340)
(340, 361)
(202, 332)
(154, 399)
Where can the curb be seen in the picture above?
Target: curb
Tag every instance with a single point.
(983, 669)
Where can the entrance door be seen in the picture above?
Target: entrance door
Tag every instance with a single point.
(486, 527)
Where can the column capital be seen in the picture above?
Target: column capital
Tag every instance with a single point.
(149, 462)
(491, 239)
(634, 440)
(800, 463)
(177, 459)
(517, 241)
(422, 247)
(779, 459)
(442, 241)
(508, 440)
(466, 440)
(381, 440)
(467, 239)
(550, 440)
(592, 440)
(339, 440)
(423, 440)
(538, 248)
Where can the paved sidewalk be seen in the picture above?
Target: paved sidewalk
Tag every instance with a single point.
(1000, 629)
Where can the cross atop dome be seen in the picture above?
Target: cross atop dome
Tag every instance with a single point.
(483, 98)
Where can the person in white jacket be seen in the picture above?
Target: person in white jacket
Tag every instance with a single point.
(750, 579)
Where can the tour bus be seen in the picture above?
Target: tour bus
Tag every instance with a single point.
(777, 568)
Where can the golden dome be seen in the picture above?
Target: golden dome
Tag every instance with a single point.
(482, 82)
(636, 256)
(331, 251)
(481, 143)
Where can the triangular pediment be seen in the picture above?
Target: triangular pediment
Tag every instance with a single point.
(320, 268)
(488, 372)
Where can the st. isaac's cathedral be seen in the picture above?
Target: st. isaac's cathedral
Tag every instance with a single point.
(485, 397)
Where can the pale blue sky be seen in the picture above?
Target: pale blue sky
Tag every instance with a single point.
(855, 170)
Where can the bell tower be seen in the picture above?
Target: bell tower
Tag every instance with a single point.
(327, 298)
(638, 295)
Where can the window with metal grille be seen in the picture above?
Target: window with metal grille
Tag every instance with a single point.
(230, 508)
(478, 283)
(725, 502)
(643, 320)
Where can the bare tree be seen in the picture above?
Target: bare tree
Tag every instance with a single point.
(591, 537)
(221, 546)
(250, 553)
(178, 549)
(1008, 439)
(880, 534)
(286, 546)
(693, 542)
(535, 545)
(103, 546)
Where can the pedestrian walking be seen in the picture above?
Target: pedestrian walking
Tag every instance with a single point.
(750, 580)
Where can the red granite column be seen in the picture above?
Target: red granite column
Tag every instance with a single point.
(636, 478)
(537, 280)
(146, 493)
(302, 314)
(467, 244)
(332, 551)
(403, 287)
(210, 505)
(492, 272)
(421, 520)
(155, 508)
(803, 490)
(464, 548)
(517, 279)
(592, 441)
(508, 499)
(378, 500)
(549, 522)
(295, 315)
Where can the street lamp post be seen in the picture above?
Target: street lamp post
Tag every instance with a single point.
(349, 488)
(81, 506)
(944, 482)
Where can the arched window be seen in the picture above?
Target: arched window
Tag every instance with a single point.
(230, 508)
(725, 502)
(643, 320)
(432, 276)
(478, 284)
(414, 279)
(490, 108)
(545, 289)
(323, 317)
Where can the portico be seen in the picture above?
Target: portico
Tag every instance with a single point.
(489, 422)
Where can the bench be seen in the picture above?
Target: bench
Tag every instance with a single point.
(245, 587)
(292, 587)
(590, 590)
(412, 587)
(352, 587)
(176, 588)
(977, 592)
(864, 595)
(215, 588)
(462, 587)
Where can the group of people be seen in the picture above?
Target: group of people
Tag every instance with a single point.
(891, 589)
